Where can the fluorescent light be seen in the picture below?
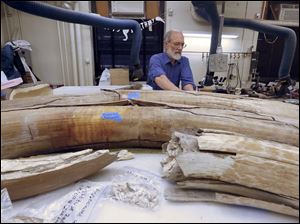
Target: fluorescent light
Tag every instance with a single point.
(196, 35)
(205, 35)
(229, 36)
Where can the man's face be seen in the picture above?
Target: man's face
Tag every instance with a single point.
(175, 45)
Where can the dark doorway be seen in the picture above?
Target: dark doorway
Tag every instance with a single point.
(270, 50)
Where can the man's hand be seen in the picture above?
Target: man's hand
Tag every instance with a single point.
(163, 82)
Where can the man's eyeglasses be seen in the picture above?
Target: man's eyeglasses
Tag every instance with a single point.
(178, 44)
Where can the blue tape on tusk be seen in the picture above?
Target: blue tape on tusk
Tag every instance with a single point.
(134, 95)
(113, 116)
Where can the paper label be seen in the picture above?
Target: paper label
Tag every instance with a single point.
(78, 204)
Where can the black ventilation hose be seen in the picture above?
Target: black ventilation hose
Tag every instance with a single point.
(91, 19)
(208, 11)
(289, 35)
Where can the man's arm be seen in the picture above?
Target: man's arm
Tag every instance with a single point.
(188, 87)
(187, 80)
(163, 82)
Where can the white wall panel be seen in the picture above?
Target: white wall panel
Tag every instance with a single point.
(44, 41)
(60, 53)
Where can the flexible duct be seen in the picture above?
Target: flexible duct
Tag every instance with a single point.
(56, 13)
(290, 41)
(209, 12)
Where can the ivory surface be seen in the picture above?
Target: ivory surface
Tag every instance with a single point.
(249, 145)
(284, 112)
(221, 186)
(259, 173)
(210, 196)
(35, 131)
(26, 177)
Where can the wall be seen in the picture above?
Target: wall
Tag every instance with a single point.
(62, 53)
(179, 15)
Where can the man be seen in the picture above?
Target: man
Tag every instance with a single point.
(168, 69)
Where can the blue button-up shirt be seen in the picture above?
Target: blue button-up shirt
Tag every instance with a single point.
(160, 64)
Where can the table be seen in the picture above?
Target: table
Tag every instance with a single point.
(188, 212)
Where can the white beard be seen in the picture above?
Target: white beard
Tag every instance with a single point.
(173, 55)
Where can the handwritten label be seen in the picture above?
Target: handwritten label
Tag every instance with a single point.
(78, 205)
(134, 95)
(113, 116)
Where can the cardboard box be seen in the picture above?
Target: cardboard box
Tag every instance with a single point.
(119, 76)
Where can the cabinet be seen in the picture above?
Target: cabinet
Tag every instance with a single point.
(111, 50)
(282, 13)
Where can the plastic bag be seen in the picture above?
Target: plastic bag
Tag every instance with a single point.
(6, 206)
(78, 204)
(137, 187)
(105, 78)
(8, 213)
(74, 207)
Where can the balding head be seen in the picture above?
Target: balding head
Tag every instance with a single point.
(168, 36)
